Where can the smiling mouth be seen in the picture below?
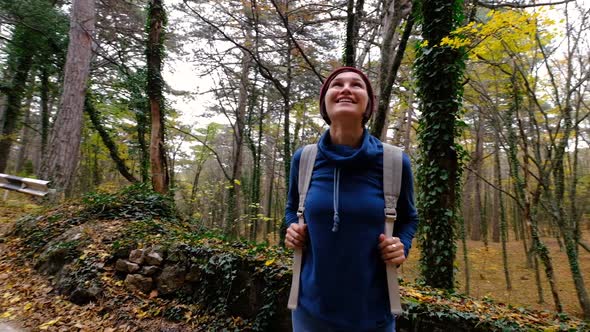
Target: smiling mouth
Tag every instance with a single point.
(344, 100)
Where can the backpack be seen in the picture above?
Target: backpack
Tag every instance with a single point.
(392, 179)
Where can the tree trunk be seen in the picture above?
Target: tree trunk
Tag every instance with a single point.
(155, 85)
(235, 186)
(409, 119)
(439, 73)
(354, 16)
(107, 141)
(64, 149)
(520, 188)
(463, 234)
(144, 155)
(390, 61)
(44, 111)
(26, 137)
(14, 95)
(477, 159)
(503, 224)
(540, 298)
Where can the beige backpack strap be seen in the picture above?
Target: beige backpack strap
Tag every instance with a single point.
(392, 181)
(306, 164)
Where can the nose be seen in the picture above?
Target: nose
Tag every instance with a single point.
(346, 88)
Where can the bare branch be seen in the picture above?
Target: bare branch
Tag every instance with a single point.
(286, 25)
(494, 186)
(494, 5)
(206, 146)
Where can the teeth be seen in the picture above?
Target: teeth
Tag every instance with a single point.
(345, 100)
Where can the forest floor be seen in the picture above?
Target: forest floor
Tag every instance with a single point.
(487, 274)
(28, 300)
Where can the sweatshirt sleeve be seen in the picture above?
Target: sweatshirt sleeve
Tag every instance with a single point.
(407, 216)
(293, 193)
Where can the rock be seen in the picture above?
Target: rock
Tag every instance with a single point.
(171, 279)
(149, 270)
(122, 252)
(52, 260)
(136, 256)
(126, 266)
(178, 253)
(139, 282)
(158, 249)
(194, 273)
(61, 251)
(83, 295)
(153, 258)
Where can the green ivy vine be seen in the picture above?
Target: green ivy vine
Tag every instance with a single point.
(439, 73)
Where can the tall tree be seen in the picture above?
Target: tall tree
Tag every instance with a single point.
(392, 51)
(354, 14)
(64, 148)
(20, 63)
(439, 71)
(155, 85)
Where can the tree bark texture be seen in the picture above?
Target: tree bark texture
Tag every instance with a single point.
(439, 71)
(390, 59)
(354, 16)
(64, 148)
(155, 85)
(476, 218)
(502, 213)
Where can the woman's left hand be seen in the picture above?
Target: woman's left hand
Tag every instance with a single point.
(392, 250)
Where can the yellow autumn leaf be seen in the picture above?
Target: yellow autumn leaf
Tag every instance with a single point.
(28, 306)
(6, 314)
(238, 182)
(14, 299)
(268, 262)
(46, 325)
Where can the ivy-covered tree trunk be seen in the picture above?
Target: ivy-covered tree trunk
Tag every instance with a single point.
(21, 60)
(155, 85)
(255, 147)
(64, 148)
(107, 140)
(439, 72)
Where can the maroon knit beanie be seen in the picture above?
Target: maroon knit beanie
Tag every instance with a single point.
(324, 89)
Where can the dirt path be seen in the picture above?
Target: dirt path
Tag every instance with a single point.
(5, 327)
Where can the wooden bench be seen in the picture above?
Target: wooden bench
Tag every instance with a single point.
(24, 185)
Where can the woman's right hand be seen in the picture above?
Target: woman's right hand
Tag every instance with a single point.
(296, 236)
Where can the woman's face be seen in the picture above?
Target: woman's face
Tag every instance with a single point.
(346, 98)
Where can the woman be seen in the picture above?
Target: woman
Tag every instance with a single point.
(343, 281)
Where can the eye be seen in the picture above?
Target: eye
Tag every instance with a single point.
(336, 83)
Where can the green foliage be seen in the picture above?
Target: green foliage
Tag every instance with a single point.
(439, 71)
(136, 202)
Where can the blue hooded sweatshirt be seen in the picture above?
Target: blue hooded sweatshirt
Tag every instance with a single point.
(343, 279)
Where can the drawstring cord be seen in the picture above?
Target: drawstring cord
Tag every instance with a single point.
(336, 194)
